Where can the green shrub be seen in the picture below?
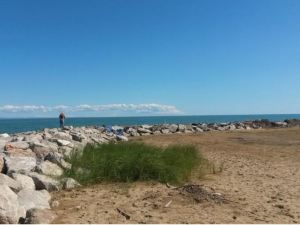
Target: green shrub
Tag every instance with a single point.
(131, 161)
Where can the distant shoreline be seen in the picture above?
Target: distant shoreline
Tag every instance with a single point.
(154, 116)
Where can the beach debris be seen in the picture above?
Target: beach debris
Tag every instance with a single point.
(168, 204)
(199, 193)
(54, 204)
(123, 214)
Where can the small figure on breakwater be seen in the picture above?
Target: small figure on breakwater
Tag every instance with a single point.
(62, 119)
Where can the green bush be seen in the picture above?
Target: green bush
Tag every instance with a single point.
(131, 161)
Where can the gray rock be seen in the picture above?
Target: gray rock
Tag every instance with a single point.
(50, 169)
(143, 130)
(68, 128)
(18, 138)
(6, 180)
(58, 159)
(76, 136)
(34, 199)
(99, 140)
(44, 182)
(18, 145)
(5, 135)
(165, 131)
(9, 206)
(24, 181)
(54, 204)
(181, 128)
(41, 152)
(19, 164)
(62, 136)
(61, 142)
(173, 128)
(148, 127)
(189, 127)
(17, 152)
(66, 151)
(70, 183)
(40, 216)
(157, 132)
(132, 132)
(220, 128)
(232, 127)
(121, 138)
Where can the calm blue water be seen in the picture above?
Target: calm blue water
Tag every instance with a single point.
(21, 125)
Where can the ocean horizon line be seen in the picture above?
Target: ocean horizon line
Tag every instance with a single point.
(140, 116)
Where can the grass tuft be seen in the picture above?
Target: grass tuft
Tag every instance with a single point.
(132, 161)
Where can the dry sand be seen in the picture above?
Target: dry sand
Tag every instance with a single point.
(260, 178)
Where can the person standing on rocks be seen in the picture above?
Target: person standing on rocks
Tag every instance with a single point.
(62, 120)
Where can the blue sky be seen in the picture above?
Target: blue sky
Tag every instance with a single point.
(149, 57)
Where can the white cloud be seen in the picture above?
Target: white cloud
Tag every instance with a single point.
(136, 108)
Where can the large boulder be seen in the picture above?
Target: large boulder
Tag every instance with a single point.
(142, 130)
(165, 131)
(5, 135)
(10, 211)
(18, 145)
(62, 142)
(34, 199)
(18, 152)
(63, 136)
(132, 132)
(45, 182)
(173, 128)
(77, 136)
(41, 152)
(58, 159)
(19, 164)
(40, 216)
(50, 169)
(181, 128)
(24, 181)
(121, 138)
(66, 151)
(6, 180)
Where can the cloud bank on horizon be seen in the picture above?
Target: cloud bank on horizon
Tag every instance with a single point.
(86, 109)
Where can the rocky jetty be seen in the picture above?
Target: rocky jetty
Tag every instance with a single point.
(32, 163)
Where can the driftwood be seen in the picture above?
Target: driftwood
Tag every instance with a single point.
(123, 214)
(168, 204)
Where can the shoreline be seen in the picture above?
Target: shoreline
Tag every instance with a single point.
(19, 125)
(145, 129)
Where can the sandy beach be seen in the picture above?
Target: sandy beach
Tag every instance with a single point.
(259, 178)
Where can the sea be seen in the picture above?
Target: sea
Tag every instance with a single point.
(11, 126)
